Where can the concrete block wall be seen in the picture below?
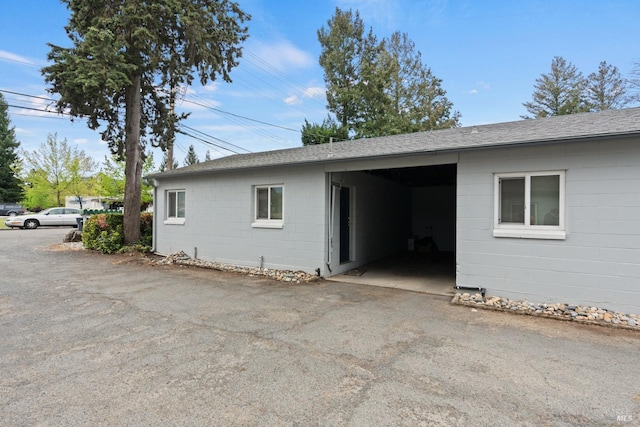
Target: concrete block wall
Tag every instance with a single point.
(219, 214)
(599, 261)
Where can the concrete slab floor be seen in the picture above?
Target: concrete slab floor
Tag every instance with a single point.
(427, 273)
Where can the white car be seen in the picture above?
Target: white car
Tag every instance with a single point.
(45, 218)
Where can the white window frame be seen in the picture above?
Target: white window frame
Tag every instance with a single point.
(527, 230)
(266, 222)
(175, 220)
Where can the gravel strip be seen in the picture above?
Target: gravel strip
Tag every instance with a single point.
(561, 311)
(182, 258)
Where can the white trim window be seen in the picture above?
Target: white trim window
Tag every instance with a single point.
(529, 205)
(175, 207)
(269, 206)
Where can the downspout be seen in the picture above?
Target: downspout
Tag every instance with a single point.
(154, 232)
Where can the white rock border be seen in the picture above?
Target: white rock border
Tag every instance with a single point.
(560, 311)
(288, 276)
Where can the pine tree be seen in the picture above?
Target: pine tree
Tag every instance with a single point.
(607, 89)
(559, 92)
(375, 88)
(10, 184)
(122, 52)
(192, 157)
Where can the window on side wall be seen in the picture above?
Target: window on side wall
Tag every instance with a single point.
(269, 206)
(530, 205)
(175, 207)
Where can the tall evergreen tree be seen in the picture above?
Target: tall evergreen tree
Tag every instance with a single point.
(192, 157)
(418, 101)
(10, 183)
(376, 88)
(345, 49)
(607, 89)
(122, 52)
(559, 92)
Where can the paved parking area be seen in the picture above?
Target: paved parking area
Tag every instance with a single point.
(110, 340)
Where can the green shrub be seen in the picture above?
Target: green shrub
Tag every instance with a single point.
(103, 232)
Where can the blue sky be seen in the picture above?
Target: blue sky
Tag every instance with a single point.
(487, 53)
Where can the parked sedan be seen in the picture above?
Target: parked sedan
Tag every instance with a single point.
(47, 217)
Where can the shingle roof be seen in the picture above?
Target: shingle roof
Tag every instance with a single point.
(612, 123)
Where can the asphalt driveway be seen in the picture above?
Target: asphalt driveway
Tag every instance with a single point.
(88, 339)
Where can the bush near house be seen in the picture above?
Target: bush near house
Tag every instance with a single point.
(103, 232)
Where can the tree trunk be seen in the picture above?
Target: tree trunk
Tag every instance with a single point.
(133, 163)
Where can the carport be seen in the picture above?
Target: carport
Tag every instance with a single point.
(394, 227)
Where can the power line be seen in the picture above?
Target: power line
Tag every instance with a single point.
(208, 142)
(213, 137)
(28, 96)
(241, 117)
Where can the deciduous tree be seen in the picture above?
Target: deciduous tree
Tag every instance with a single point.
(126, 59)
(111, 179)
(56, 170)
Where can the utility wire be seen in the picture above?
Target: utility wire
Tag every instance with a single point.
(208, 142)
(240, 117)
(213, 137)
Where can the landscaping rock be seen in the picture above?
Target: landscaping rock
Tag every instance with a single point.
(296, 277)
(584, 314)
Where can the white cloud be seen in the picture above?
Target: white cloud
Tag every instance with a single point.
(292, 100)
(81, 141)
(281, 55)
(480, 86)
(211, 87)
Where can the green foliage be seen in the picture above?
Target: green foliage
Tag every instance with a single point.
(111, 179)
(164, 164)
(10, 182)
(313, 134)
(606, 89)
(192, 157)
(122, 52)
(564, 90)
(103, 232)
(146, 229)
(634, 83)
(56, 170)
(376, 88)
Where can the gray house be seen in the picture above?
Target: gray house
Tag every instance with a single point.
(546, 210)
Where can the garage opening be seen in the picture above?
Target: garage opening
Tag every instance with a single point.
(401, 227)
